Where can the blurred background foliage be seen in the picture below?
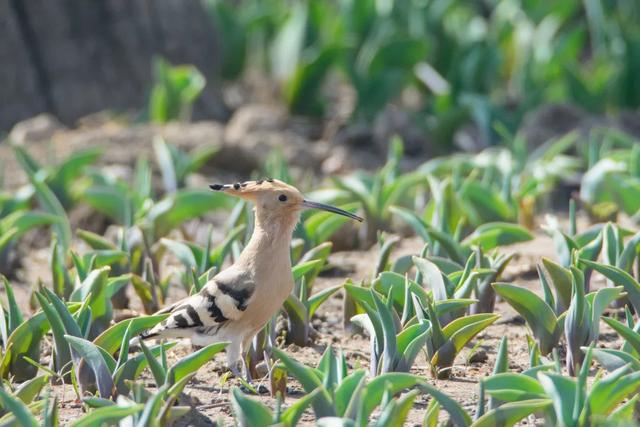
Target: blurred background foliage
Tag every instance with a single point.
(450, 62)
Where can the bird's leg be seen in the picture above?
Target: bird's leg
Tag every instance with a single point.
(247, 383)
(234, 358)
(235, 369)
(246, 369)
(246, 379)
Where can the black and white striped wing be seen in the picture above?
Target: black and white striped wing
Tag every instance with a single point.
(222, 299)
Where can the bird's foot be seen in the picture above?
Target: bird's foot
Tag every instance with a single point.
(235, 370)
(254, 389)
(247, 385)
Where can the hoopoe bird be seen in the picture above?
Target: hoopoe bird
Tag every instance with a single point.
(237, 302)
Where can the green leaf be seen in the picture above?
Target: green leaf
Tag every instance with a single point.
(602, 299)
(292, 414)
(182, 206)
(166, 163)
(346, 391)
(48, 201)
(193, 362)
(485, 202)
(97, 402)
(393, 382)
(63, 177)
(564, 245)
(145, 292)
(539, 316)
(305, 267)
(395, 412)
(389, 353)
(611, 359)
(431, 414)
(288, 42)
(410, 342)
(94, 288)
(297, 319)
(319, 298)
(23, 221)
(392, 284)
(157, 370)
(29, 390)
(175, 89)
(502, 357)
(309, 380)
(220, 252)
(512, 387)
(511, 413)
(629, 253)
(51, 413)
(458, 416)
(61, 282)
(95, 360)
(249, 412)
(625, 413)
(621, 278)
(610, 391)
(152, 407)
(494, 234)
(113, 201)
(629, 335)
(107, 415)
(133, 367)
(320, 226)
(453, 249)
(301, 91)
(96, 241)
(25, 341)
(560, 278)
(123, 354)
(70, 325)
(110, 339)
(432, 278)
(62, 351)
(18, 409)
(175, 390)
(562, 391)
(457, 334)
(445, 265)
(181, 251)
(15, 315)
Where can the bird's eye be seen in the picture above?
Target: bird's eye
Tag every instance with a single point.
(282, 198)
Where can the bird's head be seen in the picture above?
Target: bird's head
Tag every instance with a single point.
(274, 198)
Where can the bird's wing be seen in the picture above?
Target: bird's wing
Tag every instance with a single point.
(224, 298)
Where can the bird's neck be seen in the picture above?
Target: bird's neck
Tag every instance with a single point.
(270, 242)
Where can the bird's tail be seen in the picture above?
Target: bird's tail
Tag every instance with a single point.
(155, 332)
(134, 343)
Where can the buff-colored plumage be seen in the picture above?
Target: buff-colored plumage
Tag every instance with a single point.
(235, 304)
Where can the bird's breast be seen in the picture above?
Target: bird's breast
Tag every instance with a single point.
(270, 293)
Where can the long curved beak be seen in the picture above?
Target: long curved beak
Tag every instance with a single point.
(329, 208)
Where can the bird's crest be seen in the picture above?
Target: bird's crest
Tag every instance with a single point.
(249, 187)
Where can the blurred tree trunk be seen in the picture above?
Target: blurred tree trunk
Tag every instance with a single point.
(74, 57)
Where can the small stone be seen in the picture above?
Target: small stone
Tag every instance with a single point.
(516, 319)
(479, 356)
(262, 369)
(39, 128)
